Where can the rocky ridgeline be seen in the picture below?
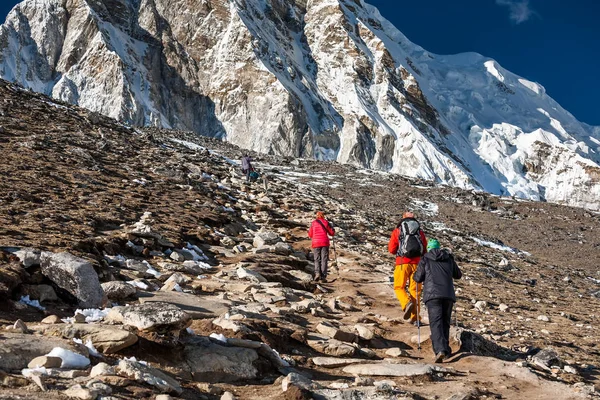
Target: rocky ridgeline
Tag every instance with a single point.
(140, 264)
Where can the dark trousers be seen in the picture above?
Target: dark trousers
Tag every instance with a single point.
(321, 258)
(440, 314)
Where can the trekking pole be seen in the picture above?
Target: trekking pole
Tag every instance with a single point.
(418, 320)
(337, 265)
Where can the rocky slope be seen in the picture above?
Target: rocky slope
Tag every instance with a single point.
(328, 79)
(200, 284)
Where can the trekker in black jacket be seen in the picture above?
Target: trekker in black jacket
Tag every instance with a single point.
(436, 270)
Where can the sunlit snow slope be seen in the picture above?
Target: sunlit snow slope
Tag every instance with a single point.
(330, 79)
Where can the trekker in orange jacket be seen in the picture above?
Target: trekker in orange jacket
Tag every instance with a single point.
(408, 243)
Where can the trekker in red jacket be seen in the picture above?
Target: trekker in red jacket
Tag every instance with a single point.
(318, 232)
(408, 243)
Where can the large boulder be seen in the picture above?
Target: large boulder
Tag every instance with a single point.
(212, 362)
(76, 276)
(153, 316)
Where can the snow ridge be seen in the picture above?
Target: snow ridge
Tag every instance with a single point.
(329, 79)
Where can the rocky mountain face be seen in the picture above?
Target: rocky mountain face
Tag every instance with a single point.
(327, 79)
(140, 264)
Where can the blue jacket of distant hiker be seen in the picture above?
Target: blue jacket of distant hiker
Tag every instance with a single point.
(436, 271)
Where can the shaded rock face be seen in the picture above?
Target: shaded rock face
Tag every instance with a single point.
(215, 363)
(76, 276)
(326, 79)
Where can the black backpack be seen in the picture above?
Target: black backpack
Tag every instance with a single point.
(410, 244)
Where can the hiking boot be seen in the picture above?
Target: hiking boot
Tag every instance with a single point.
(439, 357)
(410, 307)
(324, 279)
(317, 278)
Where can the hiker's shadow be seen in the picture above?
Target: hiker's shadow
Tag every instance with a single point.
(457, 357)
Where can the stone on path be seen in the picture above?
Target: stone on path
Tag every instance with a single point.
(265, 238)
(146, 374)
(328, 329)
(197, 307)
(75, 275)
(244, 273)
(79, 392)
(333, 362)
(396, 352)
(384, 369)
(29, 256)
(45, 361)
(211, 362)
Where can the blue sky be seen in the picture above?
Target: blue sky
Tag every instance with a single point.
(553, 42)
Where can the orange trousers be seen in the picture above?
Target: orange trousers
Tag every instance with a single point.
(403, 276)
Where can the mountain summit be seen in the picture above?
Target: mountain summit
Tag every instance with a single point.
(329, 79)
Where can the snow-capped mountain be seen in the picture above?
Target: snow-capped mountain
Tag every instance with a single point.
(330, 79)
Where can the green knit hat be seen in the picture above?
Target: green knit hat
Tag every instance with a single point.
(432, 244)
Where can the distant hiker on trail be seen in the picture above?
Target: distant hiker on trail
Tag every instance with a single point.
(318, 232)
(408, 243)
(436, 270)
(247, 167)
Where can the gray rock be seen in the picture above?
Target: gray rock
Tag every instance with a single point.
(283, 249)
(151, 316)
(364, 332)
(384, 369)
(17, 349)
(78, 392)
(211, 362)
(29, 256)
(40, 292)
(197, 306)
(481, 306)
(107, 339)
(116, 290)
(100, 387)
(546, 359)
(265, 238)
(250, 275)
(333, 362)
(471, 342)
(396, 352)
(177, 256)
(76, 276)
(146, 374)
(228, 396)
(333, 332)
(102, 369)
(295, 379)
(46, 362)
(305, 306)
